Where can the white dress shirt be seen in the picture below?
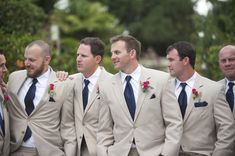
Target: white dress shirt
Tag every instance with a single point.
(135, 81)
(188, 88)
(93, 80)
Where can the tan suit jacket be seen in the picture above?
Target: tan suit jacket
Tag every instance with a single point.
(51, 123)
(208, 123)
(4, 139)
(87, 121)
(223, 82)
(157, 126)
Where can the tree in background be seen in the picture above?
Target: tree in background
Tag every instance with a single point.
(20, 23)
(213, 32)
(156, 24)
(82, 19)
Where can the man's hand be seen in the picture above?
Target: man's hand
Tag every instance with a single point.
(62, 75)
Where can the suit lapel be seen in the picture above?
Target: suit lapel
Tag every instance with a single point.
(198, 85)
(142, 94)
(92, 98)
(1, 105)
(22, 78)
(19, 83)
(118, 91)
(45, 97)
(78, 92)
(95, 91)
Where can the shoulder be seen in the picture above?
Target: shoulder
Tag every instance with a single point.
(18, 73)
(213, 85)
(155, 74)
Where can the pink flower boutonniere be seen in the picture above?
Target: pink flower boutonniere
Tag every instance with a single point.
(6, 98)
(51, 92)
(145, 85)
(196, 94)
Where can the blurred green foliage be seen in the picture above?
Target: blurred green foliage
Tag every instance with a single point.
(155, 23)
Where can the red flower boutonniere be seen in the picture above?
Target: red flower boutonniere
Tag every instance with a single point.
(145, 85)
(196, 94)
(51, 92)
(6, 98)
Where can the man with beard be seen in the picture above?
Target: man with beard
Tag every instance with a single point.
(4, 118)
(41, 114)
(227, 66)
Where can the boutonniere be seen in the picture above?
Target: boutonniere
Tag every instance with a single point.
(145, 85)
(6, 98)
(196, 94)
(51, 92)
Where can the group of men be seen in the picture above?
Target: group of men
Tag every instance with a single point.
(136, 112)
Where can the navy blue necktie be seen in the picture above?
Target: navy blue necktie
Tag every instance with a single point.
(230, 95)
(85, 93)
(2, 122)
(129, 97)
(29, 106)
(182, 99)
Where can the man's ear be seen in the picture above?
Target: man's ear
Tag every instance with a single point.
(47, 59)
(98, 59)
(185, 60)
(133, 53)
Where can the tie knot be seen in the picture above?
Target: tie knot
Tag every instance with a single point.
(86, 82)
(128, 78)
(183, 85)
(35, 81)
(230, 84)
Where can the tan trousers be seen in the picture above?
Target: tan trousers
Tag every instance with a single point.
(190, 154)
(25, 151)
(133, 152)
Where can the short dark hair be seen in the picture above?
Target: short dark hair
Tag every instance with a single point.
(185, 49)
(96, 44)
(130, 42)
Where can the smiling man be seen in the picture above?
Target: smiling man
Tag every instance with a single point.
(138, 115)
(227, 66)
(41, 123)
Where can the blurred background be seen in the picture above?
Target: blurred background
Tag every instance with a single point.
(208, 24)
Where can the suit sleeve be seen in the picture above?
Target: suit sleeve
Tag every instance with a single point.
(68, 123)
(173, 121)
(225, 126)
(105, 137)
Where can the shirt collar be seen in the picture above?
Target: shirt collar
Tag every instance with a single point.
(93, 78)
(135, 75)
(190, 81)
(227, 81)
(42, 77)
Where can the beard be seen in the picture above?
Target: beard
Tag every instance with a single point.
(33, 73)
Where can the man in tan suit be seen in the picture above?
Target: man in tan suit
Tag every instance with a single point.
(41, 115)
(208, 121)
(4, 118)
(138, 115)
(89, 56)
(227, 66)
